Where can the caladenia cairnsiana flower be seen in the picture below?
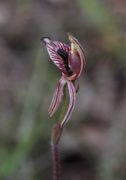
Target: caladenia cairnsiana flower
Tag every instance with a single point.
(70, 60)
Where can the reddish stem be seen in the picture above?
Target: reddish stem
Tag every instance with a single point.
(56, 162)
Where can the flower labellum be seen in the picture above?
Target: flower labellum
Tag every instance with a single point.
(70, 60)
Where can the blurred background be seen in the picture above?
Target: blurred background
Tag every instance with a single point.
(93, 145)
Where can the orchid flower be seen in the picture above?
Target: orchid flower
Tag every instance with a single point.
(70, 60)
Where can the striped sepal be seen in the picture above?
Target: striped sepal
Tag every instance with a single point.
(52, 48)
(57, 97)
(72, 96)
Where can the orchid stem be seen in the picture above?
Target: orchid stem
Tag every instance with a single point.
(56, 136)
(56, 161)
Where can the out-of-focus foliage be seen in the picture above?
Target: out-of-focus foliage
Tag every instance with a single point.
(93, 145)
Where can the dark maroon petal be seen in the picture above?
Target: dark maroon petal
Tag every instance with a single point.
(72, 96)
(52, 48)
(57, 97)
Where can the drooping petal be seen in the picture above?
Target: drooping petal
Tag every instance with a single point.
(76, 56)
(52, 48)
(72, 96)
(57, 97)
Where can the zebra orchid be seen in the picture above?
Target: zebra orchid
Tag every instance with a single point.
(70, 60)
